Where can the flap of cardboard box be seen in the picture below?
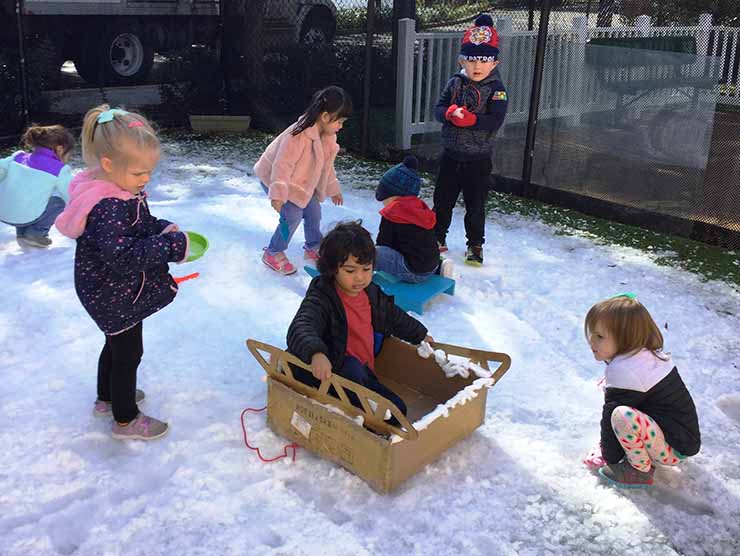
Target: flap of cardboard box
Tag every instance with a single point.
(374, 406)
(399, 362)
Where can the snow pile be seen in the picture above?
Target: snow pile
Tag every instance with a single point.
(452, 365)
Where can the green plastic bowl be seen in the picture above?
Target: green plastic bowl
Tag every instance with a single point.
(198, 246)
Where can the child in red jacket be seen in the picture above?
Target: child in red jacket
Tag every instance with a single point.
(406, 246)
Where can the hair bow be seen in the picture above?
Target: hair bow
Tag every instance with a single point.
(108, 115)
(626, 294)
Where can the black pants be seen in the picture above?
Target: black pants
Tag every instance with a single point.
(355, 371)
(473, 178)
(117, 367)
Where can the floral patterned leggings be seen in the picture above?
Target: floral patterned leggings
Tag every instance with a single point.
(642, 439)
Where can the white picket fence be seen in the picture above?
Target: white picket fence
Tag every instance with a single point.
(427, 60)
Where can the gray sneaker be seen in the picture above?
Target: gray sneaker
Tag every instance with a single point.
(623, 475)
(40, 242)
(105, 409)
(141, 428)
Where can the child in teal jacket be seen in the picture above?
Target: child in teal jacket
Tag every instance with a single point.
(33, 185)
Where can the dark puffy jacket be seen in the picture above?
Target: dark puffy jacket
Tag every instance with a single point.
(488, 100)
(668, 403)
(320, 325)
(408, 227)
(121, 271)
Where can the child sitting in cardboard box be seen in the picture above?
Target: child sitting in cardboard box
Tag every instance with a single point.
(342, 321)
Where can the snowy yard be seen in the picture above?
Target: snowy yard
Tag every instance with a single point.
(516, 486)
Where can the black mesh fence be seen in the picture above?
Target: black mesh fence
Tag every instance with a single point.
(638, 109)
(631, 117)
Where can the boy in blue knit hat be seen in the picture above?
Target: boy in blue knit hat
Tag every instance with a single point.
(406, 244)
(471, 108)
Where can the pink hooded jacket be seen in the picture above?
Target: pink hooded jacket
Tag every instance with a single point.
(293, 167)
(84, 193)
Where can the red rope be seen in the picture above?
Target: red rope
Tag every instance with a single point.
(292, 445)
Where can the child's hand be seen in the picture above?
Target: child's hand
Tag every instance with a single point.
(453, 112)
(337, 199)
(320, 366)
(428, 339)
(277, 204)
(465, 119)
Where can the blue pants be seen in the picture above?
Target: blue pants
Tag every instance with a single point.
(355, 371)
(293, 214)
(42, 225)
(391, 261)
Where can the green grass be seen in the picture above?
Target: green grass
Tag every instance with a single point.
(706, 261)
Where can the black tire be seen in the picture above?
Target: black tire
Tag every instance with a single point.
(121, 55)
(318, 27)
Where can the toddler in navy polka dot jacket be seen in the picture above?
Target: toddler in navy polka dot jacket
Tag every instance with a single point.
(121, 260)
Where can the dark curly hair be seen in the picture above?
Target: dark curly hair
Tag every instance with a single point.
(345, 240)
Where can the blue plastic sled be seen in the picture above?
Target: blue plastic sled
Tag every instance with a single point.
(409, 297)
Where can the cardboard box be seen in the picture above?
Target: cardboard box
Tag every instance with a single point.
(444, 410)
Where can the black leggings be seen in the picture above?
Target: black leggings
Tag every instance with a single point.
(117, 367)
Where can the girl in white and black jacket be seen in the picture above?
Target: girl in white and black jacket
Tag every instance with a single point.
(648, 416)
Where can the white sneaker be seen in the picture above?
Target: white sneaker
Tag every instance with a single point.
(447, 268)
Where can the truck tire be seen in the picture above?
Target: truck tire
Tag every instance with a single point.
(318, 27)
(121, 55)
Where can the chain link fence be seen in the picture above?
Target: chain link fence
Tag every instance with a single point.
(628, 116)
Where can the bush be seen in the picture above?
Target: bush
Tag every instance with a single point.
(39, 73)
(296, 72)
(354, 20)
(193, 83)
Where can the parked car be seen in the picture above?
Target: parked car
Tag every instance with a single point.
(114, 42)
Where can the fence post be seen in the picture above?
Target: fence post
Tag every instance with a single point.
(404, 82)
(505, 29)
(642, 24)
(578, 65)
(703, 32)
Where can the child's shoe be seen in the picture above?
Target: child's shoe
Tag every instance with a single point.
(474, 255)
(442, 247)
(278, 262)
(623, 475)
(141, 428)
(105, 409)
(447, 268)
(40, 242)
(311, 255)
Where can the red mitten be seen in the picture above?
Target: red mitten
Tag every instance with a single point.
(468, 118)
(449, 115)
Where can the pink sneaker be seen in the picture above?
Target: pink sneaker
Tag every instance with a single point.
(311, 255)
(105, 409)
(278, 262)
(142, 427)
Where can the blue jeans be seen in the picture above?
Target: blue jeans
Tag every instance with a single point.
(293, 214)
(42, 225)
(391, 261)
(357, 372)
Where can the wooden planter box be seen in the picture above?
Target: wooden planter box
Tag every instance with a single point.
(220, 123)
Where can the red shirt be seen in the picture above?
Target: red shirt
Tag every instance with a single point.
(359, 327)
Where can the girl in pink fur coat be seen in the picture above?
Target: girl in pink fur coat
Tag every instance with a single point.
(297, 173)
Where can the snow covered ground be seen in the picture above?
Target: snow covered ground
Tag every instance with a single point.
(515, 487)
